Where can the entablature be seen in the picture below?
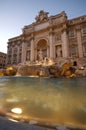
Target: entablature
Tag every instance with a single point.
(78, 20)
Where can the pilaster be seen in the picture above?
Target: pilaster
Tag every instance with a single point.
(12, 55)
(32, 48)
(23, 51)
(7, 59)
(17, 53)
(80, 49)
(51, 35)
(65, 45)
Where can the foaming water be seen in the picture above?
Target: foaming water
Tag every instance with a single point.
(55, 100)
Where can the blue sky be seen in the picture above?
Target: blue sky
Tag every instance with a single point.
(15, 14)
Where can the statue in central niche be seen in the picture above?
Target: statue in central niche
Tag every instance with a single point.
(40, 55)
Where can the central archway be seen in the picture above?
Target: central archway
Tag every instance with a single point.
(41, 49)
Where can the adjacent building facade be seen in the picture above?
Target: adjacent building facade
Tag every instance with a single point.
(53, 37)
(2, 60)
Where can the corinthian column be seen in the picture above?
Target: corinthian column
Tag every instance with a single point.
(17, 53)
(65, 46)
(23, 52)
(7, 59)
(51, 44)
(80, 49)
(12, 55)
(32, 49)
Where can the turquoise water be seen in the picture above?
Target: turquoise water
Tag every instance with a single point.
(53, 100)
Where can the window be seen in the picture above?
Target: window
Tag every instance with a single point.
(84, 30)
(28, 55)
(74, 63)
(74, 51)
(84, 48)
(71, 33)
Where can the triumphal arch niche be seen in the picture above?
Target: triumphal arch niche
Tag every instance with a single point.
(52, 37)
(42, 49)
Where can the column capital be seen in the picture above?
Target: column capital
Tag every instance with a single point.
(32, 36)
(64, 28)
(23, 40)
(78, 28)
(51, 31)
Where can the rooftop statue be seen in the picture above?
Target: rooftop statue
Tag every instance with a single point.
(41, 16)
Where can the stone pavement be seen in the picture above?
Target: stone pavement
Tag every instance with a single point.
(10, 125)
(6, 124)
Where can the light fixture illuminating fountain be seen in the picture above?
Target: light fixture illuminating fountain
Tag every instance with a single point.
(16, 110)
